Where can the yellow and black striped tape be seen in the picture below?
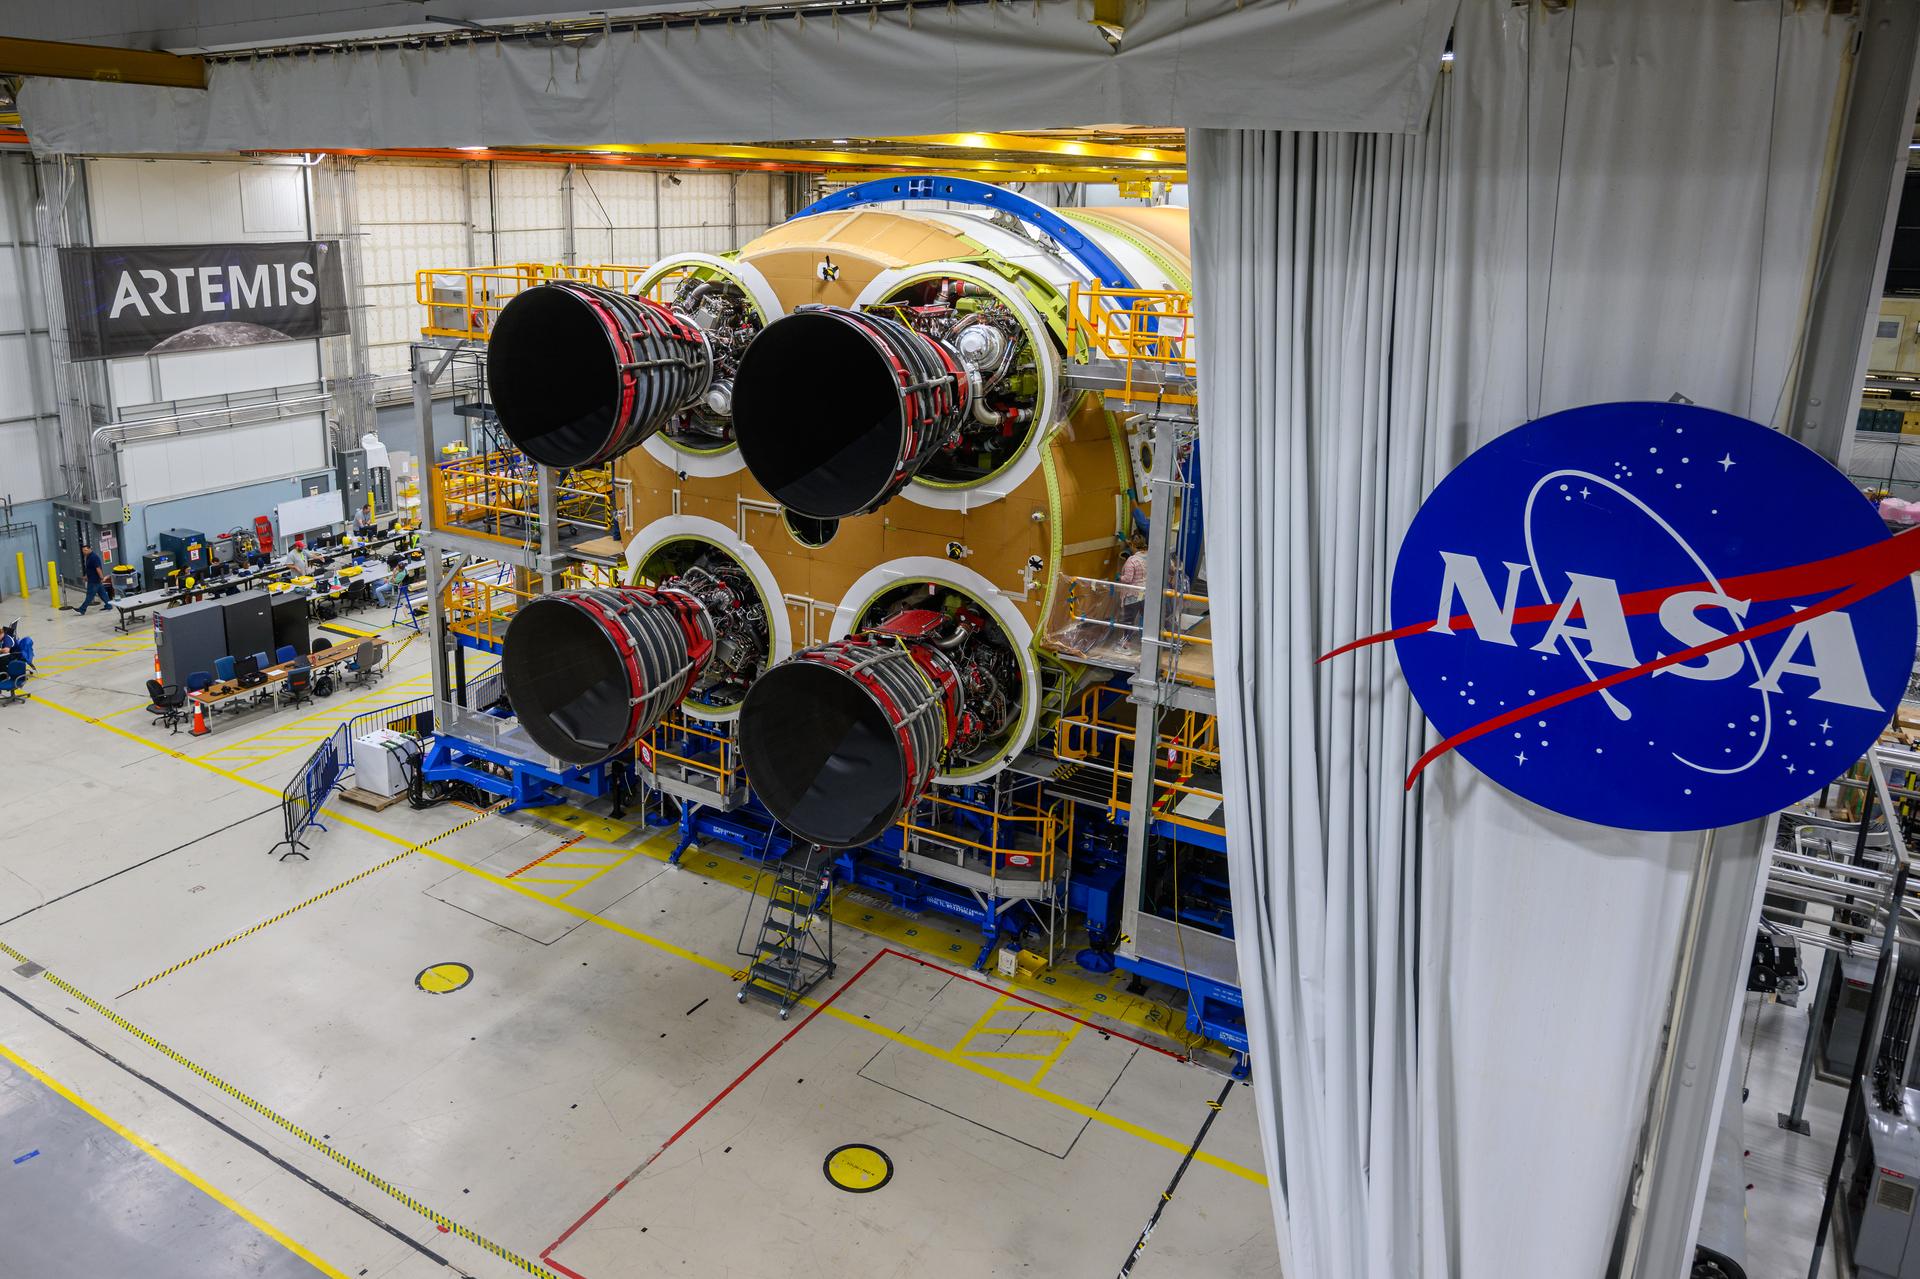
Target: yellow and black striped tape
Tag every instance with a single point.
(317, 897)
(280, 1121)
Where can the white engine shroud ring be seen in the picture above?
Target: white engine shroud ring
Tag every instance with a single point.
(679, 528)
(925, 568)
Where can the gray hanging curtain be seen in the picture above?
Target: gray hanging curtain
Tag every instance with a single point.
(1455, 997)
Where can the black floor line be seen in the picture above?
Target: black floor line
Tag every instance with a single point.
(1166, 1196)
(137, 865)
(242, 1138)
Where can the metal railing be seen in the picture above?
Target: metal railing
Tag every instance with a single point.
(496, 495)
(1099, 622)
(461, 302)
(1016, 835)
(331, 761)
(1141, 331)
(1186, 748)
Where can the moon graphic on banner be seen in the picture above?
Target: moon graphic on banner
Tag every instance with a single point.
(221, 333)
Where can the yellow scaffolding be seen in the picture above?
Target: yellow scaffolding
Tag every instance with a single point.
(461, 302)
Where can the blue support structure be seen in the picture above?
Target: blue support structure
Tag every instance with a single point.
(966, 191)
(525, 785)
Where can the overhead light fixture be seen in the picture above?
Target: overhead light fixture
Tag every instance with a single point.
(840, 142)
(1446, 57)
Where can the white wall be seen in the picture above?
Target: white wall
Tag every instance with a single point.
(208, 202)
(29, 429)
(411, 216)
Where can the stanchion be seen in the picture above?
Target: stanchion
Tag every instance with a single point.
(20, 563)
(53, 586)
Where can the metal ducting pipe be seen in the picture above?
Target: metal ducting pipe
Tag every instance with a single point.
(579, 374)
(836, 410)
(838, 739)
(588, 672)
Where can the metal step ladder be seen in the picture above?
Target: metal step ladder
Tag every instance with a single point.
(792, 955)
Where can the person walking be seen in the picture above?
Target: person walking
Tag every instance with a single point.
(96, 573)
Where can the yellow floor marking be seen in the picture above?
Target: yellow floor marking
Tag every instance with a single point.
(661, 944)
(857, 1168)
(443, 979)
(173, 1165)
(330, 714)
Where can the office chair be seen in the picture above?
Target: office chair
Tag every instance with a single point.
(261, 661)
(11, 681)
(322, 645)
(298, 687)
(224, 669)
(363, 666)
(285, 653)
(166, 703)
(197, 682)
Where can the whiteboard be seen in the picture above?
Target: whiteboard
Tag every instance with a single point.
(305, 514)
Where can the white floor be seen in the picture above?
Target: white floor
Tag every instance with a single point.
(594, 1102)
(1787, 1171)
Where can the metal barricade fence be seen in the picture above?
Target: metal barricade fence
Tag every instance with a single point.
(305, 793)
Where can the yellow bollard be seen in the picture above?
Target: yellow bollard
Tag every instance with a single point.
(53, 585)
(20, 562)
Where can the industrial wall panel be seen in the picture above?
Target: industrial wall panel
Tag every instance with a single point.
(157, 469)
(613, 215)
(17, 376)
(273, 201)
(411, 216)
(716, 239)
(194, 201)
(20, 475)
(193, 375)
(21, 302)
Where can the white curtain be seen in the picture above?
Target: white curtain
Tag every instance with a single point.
(1454, 996)
(927, 68)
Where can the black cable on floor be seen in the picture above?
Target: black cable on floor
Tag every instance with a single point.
(1166, 1196)
(242, 1138)
(137, 865)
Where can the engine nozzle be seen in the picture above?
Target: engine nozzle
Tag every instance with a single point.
(838, 739)
(579, 374)
(836, 410)
(588, 672)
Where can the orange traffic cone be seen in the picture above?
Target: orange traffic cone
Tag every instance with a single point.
(200, 728)
(156, 664)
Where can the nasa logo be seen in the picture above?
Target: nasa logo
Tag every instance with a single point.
(1652, 616)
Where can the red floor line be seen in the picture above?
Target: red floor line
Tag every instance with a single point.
(546, 1254)
(1034, 1003)
(542, 857)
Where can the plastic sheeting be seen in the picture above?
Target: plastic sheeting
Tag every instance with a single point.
(1455, 997)
(931, 68)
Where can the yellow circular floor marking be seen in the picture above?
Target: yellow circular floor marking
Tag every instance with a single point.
(858, 1169)
(443, 979)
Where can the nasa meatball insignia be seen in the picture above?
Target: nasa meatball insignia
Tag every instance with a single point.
(1604, 612)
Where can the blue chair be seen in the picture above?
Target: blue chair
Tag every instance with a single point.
(285, 653)
(261, 661)
(223, 669)
(12, 681)
(198, 681)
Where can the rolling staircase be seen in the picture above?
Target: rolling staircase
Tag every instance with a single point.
(791, 955)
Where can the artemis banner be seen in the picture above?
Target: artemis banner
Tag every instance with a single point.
(1594, 611)
(153, 299)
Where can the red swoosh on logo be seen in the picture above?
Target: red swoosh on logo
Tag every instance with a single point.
(1853, 575)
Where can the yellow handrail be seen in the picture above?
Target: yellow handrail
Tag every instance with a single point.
(1131, 327)
(461, 302)
(1048, 822)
